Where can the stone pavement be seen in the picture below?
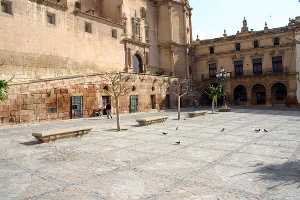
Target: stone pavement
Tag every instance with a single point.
(143, 164)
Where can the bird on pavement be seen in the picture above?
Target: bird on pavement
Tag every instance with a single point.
(257, 130)
(266, 131)
(223, 129)
(177, 143)
(165, 133)
(177, 128)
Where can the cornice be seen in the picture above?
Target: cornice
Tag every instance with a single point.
(102, 20)
(54, 4)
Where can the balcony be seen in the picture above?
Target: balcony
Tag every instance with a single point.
(250, 74)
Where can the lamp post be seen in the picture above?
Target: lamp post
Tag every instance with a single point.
(222, 76)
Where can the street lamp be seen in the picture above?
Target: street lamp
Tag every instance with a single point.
(222, 76)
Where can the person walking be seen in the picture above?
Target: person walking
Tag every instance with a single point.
(108, 111)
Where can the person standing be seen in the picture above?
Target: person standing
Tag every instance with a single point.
(108, 111)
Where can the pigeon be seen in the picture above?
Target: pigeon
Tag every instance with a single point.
(257, 130)
(223, 129)
(177, 143)
(266, 131)
(177, 128)
(165, 133)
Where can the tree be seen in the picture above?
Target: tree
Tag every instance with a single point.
(180, 89)
(3, 90)
(118, 85)
(214, 93)
(4, 87)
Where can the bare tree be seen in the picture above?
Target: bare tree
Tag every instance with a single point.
(118, 85)
(180, 88)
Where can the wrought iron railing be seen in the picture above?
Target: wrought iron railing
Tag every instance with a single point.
(251, 73)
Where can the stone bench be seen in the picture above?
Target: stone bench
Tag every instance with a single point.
(196, 114)
(47, 136)
(151, 120)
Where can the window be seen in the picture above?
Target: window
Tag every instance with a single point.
(277, 64)
(51, 18)
(257, 66)
(276, 41)
(136, 28)
(6, 7)
(114, 33)
(88, 27)
(212, 70)
(238, 46)
(211, 50)
(256, 44)
(239, 67)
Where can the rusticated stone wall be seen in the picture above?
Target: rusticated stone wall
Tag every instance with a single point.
(51, 99)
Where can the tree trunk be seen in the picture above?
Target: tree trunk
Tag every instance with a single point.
(178, 107)
(213, 105)
(117, 113)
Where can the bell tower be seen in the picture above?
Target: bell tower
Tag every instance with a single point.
(174, 36)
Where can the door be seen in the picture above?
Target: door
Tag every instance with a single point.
(153, 101)
(105, 101)
(76, 107)
(133, 104)
(167, 101)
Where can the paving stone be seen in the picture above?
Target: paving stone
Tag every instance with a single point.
(141, 163)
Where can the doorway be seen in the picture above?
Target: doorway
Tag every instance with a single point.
(153, 101)
(168, 101)
(105, 100)
(133, 107)
(76, 107)
(259, 94)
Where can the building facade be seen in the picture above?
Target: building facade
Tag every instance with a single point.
(263, 65)
(55, 53)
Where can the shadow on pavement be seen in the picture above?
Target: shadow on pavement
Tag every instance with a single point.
(287, 173)
(31, 143)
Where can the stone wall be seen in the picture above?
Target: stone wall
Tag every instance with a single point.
(31, 48)
(51, 99)
(298, 63)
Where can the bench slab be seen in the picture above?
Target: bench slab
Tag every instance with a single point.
(151, 120)
(196, 114)
(46, 136)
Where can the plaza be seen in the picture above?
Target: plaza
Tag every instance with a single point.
(141, 163)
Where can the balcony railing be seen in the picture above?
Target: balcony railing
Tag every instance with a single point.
(250, 73)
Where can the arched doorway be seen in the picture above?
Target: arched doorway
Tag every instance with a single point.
(240, 95)
(259, 94)
(204, 99)
(279, 93)
(137, 64)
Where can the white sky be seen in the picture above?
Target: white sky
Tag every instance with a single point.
(211, 17)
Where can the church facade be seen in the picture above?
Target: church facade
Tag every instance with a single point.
(55, 53)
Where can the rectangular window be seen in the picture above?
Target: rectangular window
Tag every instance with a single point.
(277, 64)
(276, 41)
(257, 66)
(256, 44)
(6, 7)
(239, 67)
(212, 70)
(238, 46)
(88, 27)
(114, 33)
(51, 18)
(211, 50)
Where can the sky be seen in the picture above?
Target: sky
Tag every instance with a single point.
(211, 17)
